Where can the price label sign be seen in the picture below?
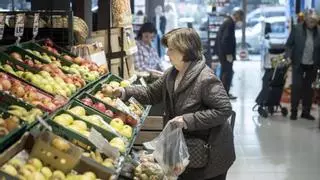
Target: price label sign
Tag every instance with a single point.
(36, 24)
(18, 32)
(2, 21)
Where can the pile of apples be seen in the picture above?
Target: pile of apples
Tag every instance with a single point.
(92, 67)
(29, 93)
(9, 124)
(24, 114)
(34, 169)
(107, 162)
(98, 106)
(52, 84)
(80, 126)
(53, 68)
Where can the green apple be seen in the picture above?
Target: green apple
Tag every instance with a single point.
(72, 87)
(125, 83)
(46, 172)
(7, 68)
(117, 124)
(81, 125)
(74, 71)
(61, 92)
(78, 110)
(75, 128)
(9, 169)
(58, 175)
(126, 131)
(48, 88)
(64, 119)
(76, 66)
(35, 163)
(95, 119)
(65, 68)
(27, 75)
(35, 80)
(114, 84)
(44, 74)
(19, 73)
(59, 80)
(118, 143)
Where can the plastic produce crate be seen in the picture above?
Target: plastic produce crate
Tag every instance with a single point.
(27, 85)
(27, 142)
(13, 135)
(73, 136)
(7, 100)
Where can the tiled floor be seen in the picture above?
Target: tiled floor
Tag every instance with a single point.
(274, 148)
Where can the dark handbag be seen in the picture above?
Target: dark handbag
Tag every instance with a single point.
(199, 152)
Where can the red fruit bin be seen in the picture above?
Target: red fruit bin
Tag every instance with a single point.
(29, 93)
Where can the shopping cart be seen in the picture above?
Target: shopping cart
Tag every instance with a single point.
(268, 100)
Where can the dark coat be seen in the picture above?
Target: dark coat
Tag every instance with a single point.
(202, 101)
(226, 40)
(296, 43)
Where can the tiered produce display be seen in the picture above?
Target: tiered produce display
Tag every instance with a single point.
(44, 86)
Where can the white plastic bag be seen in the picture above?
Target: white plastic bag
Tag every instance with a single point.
(170, 151)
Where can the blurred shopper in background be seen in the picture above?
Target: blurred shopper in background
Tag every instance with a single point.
(303, 48)
(226, 48)
(160, 23)
(300, 18)
(147, 58)
(171, 17)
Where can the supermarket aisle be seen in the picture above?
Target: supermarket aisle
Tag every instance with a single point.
(274, 148)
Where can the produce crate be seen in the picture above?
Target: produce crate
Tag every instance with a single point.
(24, 53)
(75, 137)
(106, 80)
(27, 141)
(12, 136)
(35, 47)
(6, 100)
(15, 64)
(60, 50)
(26, 84)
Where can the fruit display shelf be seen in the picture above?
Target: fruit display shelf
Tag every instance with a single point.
(48, 78)
(29, 93)
(11, 130)
(76, 129)
(35, 158)
(25, 111)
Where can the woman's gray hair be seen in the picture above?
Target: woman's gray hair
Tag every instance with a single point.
(186, 41)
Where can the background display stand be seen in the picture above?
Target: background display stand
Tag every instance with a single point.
(61, 36)
(117, 60)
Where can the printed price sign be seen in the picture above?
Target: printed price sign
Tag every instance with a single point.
(2, 21)
(18, 32)
(102, 144)
(36, 24)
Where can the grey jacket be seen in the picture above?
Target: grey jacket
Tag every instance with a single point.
(202, 101)
(296, 43)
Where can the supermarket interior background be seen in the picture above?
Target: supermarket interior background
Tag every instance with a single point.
(61, 60)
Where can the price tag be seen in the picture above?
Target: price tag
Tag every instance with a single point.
(18, 32)
(2, 21)
(36, 24)
(143, 82)
(102, 144)
(123, 107)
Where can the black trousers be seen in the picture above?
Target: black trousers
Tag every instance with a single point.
(226, 74)
(302, 78)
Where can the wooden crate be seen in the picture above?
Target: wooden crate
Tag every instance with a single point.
(151, 128)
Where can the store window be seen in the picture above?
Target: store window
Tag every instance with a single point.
(17, 5)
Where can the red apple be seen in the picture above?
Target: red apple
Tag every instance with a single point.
(131, 121)
(3, 76)
(16, 56)
(79, 60)
(87, 101)
(48, 42)
(6, 84)
(100, 106)
(68, 58)
(29, 62)
(109, 113)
